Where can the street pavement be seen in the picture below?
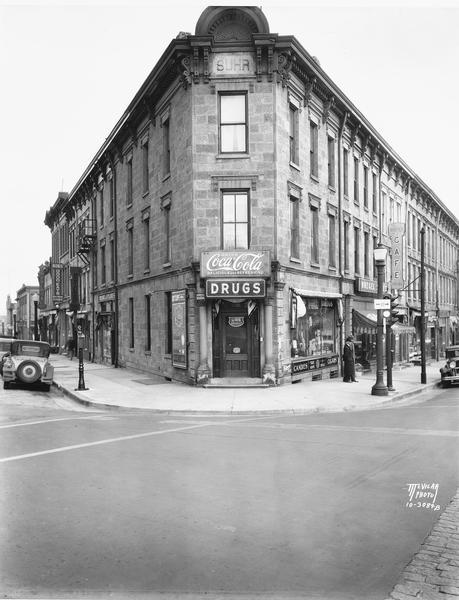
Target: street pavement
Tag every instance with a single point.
(128, 389)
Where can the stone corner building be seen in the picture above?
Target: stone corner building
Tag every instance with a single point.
(226, 227)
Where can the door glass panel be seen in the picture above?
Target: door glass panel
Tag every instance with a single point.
(236, 335)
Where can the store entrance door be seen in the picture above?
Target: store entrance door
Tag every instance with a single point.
(236, 344)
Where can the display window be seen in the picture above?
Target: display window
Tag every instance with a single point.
(314, 331)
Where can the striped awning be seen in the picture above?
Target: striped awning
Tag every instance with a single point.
(363, 323)
(316, 293)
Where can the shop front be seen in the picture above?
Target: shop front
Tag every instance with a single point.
(364, 322)
(236, 298)
(314, 334)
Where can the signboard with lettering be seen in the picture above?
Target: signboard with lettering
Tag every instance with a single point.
(245, 263)
(224, 64)
(178, 299)
(365, 286)
(396, 233)
(312, 364)
(58, 276)
(235, 288)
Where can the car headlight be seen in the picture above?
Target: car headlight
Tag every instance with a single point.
(452, 364)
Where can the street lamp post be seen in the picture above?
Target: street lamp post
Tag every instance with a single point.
(379, 388)
(35, 318)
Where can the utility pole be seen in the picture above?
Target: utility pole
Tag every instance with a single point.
(423, 308)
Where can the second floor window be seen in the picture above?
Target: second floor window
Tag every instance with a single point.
(315, 235)
(332, 240)
(112, 260)
(233, 123)
(366, 250)
(294, 227)
(103, 266)
(235, 212)
(346, 245)
(356, 250)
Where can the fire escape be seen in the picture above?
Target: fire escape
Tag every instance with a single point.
(86, 238)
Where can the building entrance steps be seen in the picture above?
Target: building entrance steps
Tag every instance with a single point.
(235, 382)
(110, 387)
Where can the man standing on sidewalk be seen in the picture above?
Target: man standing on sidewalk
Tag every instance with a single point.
(349, 360)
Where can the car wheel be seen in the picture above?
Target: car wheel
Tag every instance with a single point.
(46, 387)
(6, 385)
(445, 384)
(28, 371)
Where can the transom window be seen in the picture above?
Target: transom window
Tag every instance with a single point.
(235, 220)
(233, 123)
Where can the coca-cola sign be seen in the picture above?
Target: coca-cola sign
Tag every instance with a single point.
(249, 263)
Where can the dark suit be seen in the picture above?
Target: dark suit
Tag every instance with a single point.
(349, 362)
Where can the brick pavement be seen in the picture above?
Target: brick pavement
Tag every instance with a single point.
(433, 573)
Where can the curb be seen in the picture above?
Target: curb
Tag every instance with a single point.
(103, 406)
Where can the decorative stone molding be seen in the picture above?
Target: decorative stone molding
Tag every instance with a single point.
(219, 182)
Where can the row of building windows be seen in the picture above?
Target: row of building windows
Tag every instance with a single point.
(146, 321)
(447, 288)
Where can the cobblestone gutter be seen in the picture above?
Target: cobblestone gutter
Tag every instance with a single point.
(433, 574)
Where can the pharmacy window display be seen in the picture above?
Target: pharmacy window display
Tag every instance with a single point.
(312, 326)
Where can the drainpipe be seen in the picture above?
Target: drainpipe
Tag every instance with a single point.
(115, 265)
(437, 287)
(340, 228)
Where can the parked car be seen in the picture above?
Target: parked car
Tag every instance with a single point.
(450, 372)
(27, 363)
(5, 347)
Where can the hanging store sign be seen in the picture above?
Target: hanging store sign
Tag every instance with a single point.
(235, 263)
(178, 299)
(312, 364)
(396, 233)
(58, 276)
(237, 288)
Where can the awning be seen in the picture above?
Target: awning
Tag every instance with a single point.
(316, 293)
(415, 313)
(363, 323)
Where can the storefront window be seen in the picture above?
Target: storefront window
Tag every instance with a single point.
(314, 333)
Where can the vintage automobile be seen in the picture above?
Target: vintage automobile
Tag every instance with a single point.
(450, 372)
(27, 363)
(5, 348)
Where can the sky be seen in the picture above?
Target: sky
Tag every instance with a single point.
(70, 69)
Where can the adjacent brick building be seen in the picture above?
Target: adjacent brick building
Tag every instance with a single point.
(226, 227)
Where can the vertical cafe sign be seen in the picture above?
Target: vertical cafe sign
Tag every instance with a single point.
(179, 329)
(396, 233)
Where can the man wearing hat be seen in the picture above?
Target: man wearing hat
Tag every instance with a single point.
(349, 360)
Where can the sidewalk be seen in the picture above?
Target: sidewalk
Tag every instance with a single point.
(130, 389)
